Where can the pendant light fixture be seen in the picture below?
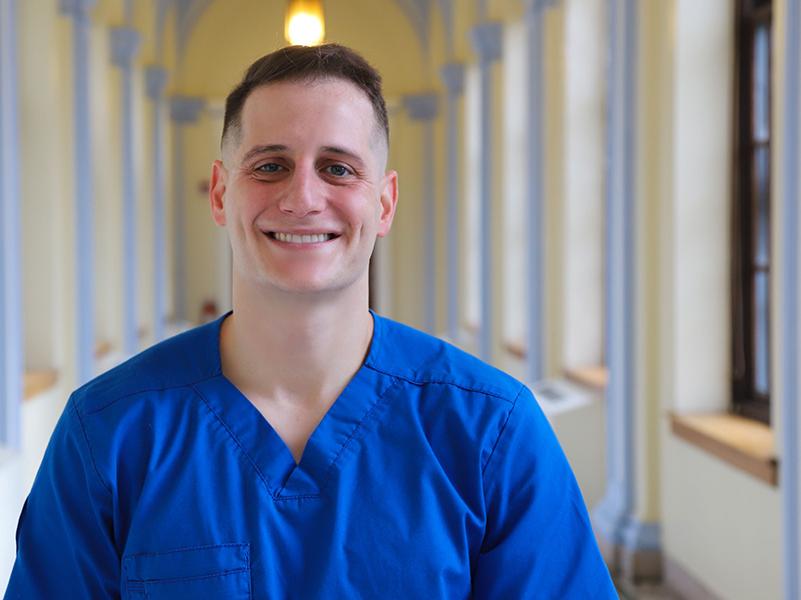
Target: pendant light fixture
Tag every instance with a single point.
(304, 24)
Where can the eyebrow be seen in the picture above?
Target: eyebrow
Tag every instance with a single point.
(256, 150)
(267, 148)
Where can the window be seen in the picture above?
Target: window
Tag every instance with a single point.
(751, 211)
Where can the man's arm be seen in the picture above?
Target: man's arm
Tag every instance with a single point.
(538, 541)
(65, 539)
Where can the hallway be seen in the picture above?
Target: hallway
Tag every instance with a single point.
(600, 197)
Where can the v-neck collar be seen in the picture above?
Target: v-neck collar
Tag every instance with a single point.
(326, 448)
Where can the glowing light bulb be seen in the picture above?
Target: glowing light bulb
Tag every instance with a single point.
(304, 25)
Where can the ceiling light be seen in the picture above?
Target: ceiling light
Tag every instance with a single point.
(304, 24)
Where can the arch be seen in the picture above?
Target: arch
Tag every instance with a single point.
(378, 29)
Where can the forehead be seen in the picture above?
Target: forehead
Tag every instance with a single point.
(327, 111)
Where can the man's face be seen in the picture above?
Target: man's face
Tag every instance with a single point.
(302, 188)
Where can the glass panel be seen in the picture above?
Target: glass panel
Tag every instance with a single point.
(761, 205)
(761, 339)
(761, 88)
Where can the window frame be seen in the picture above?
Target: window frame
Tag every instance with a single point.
(746, 400)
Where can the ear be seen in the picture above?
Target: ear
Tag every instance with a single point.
(389, 202)
(219, 176)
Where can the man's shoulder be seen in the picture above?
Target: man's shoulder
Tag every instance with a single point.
(420, 358)
(176, 362)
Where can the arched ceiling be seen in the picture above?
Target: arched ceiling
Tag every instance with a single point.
(218, 39)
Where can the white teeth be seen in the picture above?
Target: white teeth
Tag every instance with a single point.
(302, 239)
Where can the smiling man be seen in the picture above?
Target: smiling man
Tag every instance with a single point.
(302, 446)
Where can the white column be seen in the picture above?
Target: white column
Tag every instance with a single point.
(789, 331)
(78, 11)
(487, 41)
(124, 46)
(184, 110)
(616, 517)
(155, 82)
(423, 108)
(535, 189)
(453, 77)
(11, 361)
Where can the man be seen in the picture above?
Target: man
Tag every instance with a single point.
(303, 447)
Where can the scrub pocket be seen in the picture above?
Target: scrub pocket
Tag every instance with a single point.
(208, 572)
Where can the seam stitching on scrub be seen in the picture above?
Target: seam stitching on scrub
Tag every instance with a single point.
(379, 401)
(189, 384)
(441, 382)
(253, 464)
(188, 548)
(327, 474)
(74, 406)
(503, 429)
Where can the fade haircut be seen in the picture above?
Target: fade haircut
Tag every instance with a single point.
(306, 64)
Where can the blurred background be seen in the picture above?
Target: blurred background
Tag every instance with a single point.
(598, 196)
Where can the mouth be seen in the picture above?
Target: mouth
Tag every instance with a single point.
(306, 238)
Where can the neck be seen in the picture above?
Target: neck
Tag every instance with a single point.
(295, 348)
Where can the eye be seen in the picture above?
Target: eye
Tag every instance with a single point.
(269, 168)
(337, 170)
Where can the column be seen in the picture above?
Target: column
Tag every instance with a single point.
(535, 190)
(124, 46)
(11, 360)
(453, 77)
(789, 332)
(634, 545)
(78, 11)
(423, 108)
(488, 45)
(184, 110)
(155, 82)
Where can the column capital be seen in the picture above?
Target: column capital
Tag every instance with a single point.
(76, 8)
(487, 39)
(155, 81)
(125, 43)
(536, 7)
(186, 109)
(452, 76)
(421, 107)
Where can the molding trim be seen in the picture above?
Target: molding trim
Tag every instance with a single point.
(683, 583)
(790, 463)
(125, 44)
(11, 339)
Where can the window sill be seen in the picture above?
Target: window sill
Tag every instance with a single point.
(745, 444)
(36, 382)
(595, 378)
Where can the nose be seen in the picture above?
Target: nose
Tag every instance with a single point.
(304, 195)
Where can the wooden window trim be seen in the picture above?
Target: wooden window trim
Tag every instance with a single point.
(746, 444)
(38, 381)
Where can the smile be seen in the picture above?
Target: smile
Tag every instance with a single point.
(292, 238)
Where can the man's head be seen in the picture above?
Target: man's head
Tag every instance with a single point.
(303, 189)
(305, 64)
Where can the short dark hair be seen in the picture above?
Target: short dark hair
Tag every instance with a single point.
(307, 63)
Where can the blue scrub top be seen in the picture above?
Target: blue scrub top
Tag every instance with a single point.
(433, 475)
